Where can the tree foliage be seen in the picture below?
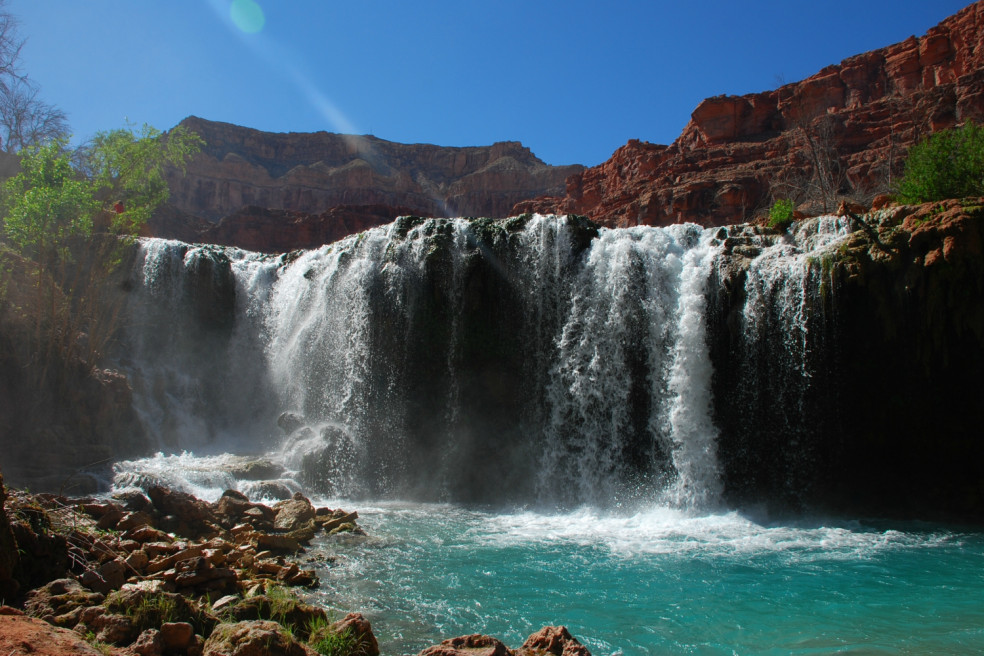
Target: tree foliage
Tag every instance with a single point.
(949, 164)
(71, 215)
(46, 204)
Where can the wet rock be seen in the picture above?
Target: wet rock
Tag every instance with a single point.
(304, 533)
(189, 511)
(555, 640)
(133, 501)
(268, 490)
(253, 639)
(253, 469)
(338, 518)
(293, 513)
(289, 422)
(140, 480)
(471, 645)
(276, 543)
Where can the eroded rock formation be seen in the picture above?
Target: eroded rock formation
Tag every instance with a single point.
(853, 122)
(303, 190)
(863, 408)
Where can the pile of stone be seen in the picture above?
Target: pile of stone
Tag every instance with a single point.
(195, 548)
(165, 573)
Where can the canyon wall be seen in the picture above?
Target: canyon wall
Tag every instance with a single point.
(842, 132)
(307, 189)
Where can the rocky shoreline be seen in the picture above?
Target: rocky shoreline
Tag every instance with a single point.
(164, 573)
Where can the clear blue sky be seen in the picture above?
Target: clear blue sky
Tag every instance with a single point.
(572, 80)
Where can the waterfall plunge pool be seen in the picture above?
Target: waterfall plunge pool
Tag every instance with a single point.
(660, 581)
(654, 580)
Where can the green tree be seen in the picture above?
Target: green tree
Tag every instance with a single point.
(127, 171)
(781, 213)
(949, 164)
(69, 217)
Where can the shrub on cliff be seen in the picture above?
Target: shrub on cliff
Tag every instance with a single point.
(949, 164)
(781, 214)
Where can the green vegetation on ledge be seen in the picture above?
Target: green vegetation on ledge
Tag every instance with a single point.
(949, 164)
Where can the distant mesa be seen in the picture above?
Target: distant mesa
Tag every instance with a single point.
(279, 191)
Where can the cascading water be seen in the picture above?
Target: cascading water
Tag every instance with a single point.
(443, 359)
(648, 376)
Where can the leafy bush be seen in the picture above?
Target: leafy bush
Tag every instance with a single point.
(781, 213)
(949, 164)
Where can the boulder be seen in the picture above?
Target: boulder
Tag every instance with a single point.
(293, 513)
(555, 640)
(148, 643)
(357, 626)
(189, 513)
(61, 601)
(254, 638)
(470, 645)
(27, 635)
(177, 636)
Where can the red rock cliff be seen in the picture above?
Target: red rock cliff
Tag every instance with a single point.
(308, 175)
(841, 132)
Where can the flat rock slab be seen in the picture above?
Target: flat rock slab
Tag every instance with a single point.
(21, 635)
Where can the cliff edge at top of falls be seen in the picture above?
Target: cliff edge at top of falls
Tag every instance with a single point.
(867, 406)
(853, 121)
(307, 189)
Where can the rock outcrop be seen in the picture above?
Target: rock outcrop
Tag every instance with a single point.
(548, 641)
(870, 412)
(303, 190)
(841, 132)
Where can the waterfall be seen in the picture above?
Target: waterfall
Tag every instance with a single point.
(532, 360)
(774, 402)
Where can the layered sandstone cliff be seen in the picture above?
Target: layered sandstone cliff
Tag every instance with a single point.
(331, 184)
(841, 132)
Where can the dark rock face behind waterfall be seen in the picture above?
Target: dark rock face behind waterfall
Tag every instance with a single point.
(879, 416)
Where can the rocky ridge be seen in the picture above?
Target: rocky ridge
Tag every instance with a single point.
(841, 132)
(305, 188)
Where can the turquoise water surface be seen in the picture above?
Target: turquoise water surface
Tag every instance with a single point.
(660, 582)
